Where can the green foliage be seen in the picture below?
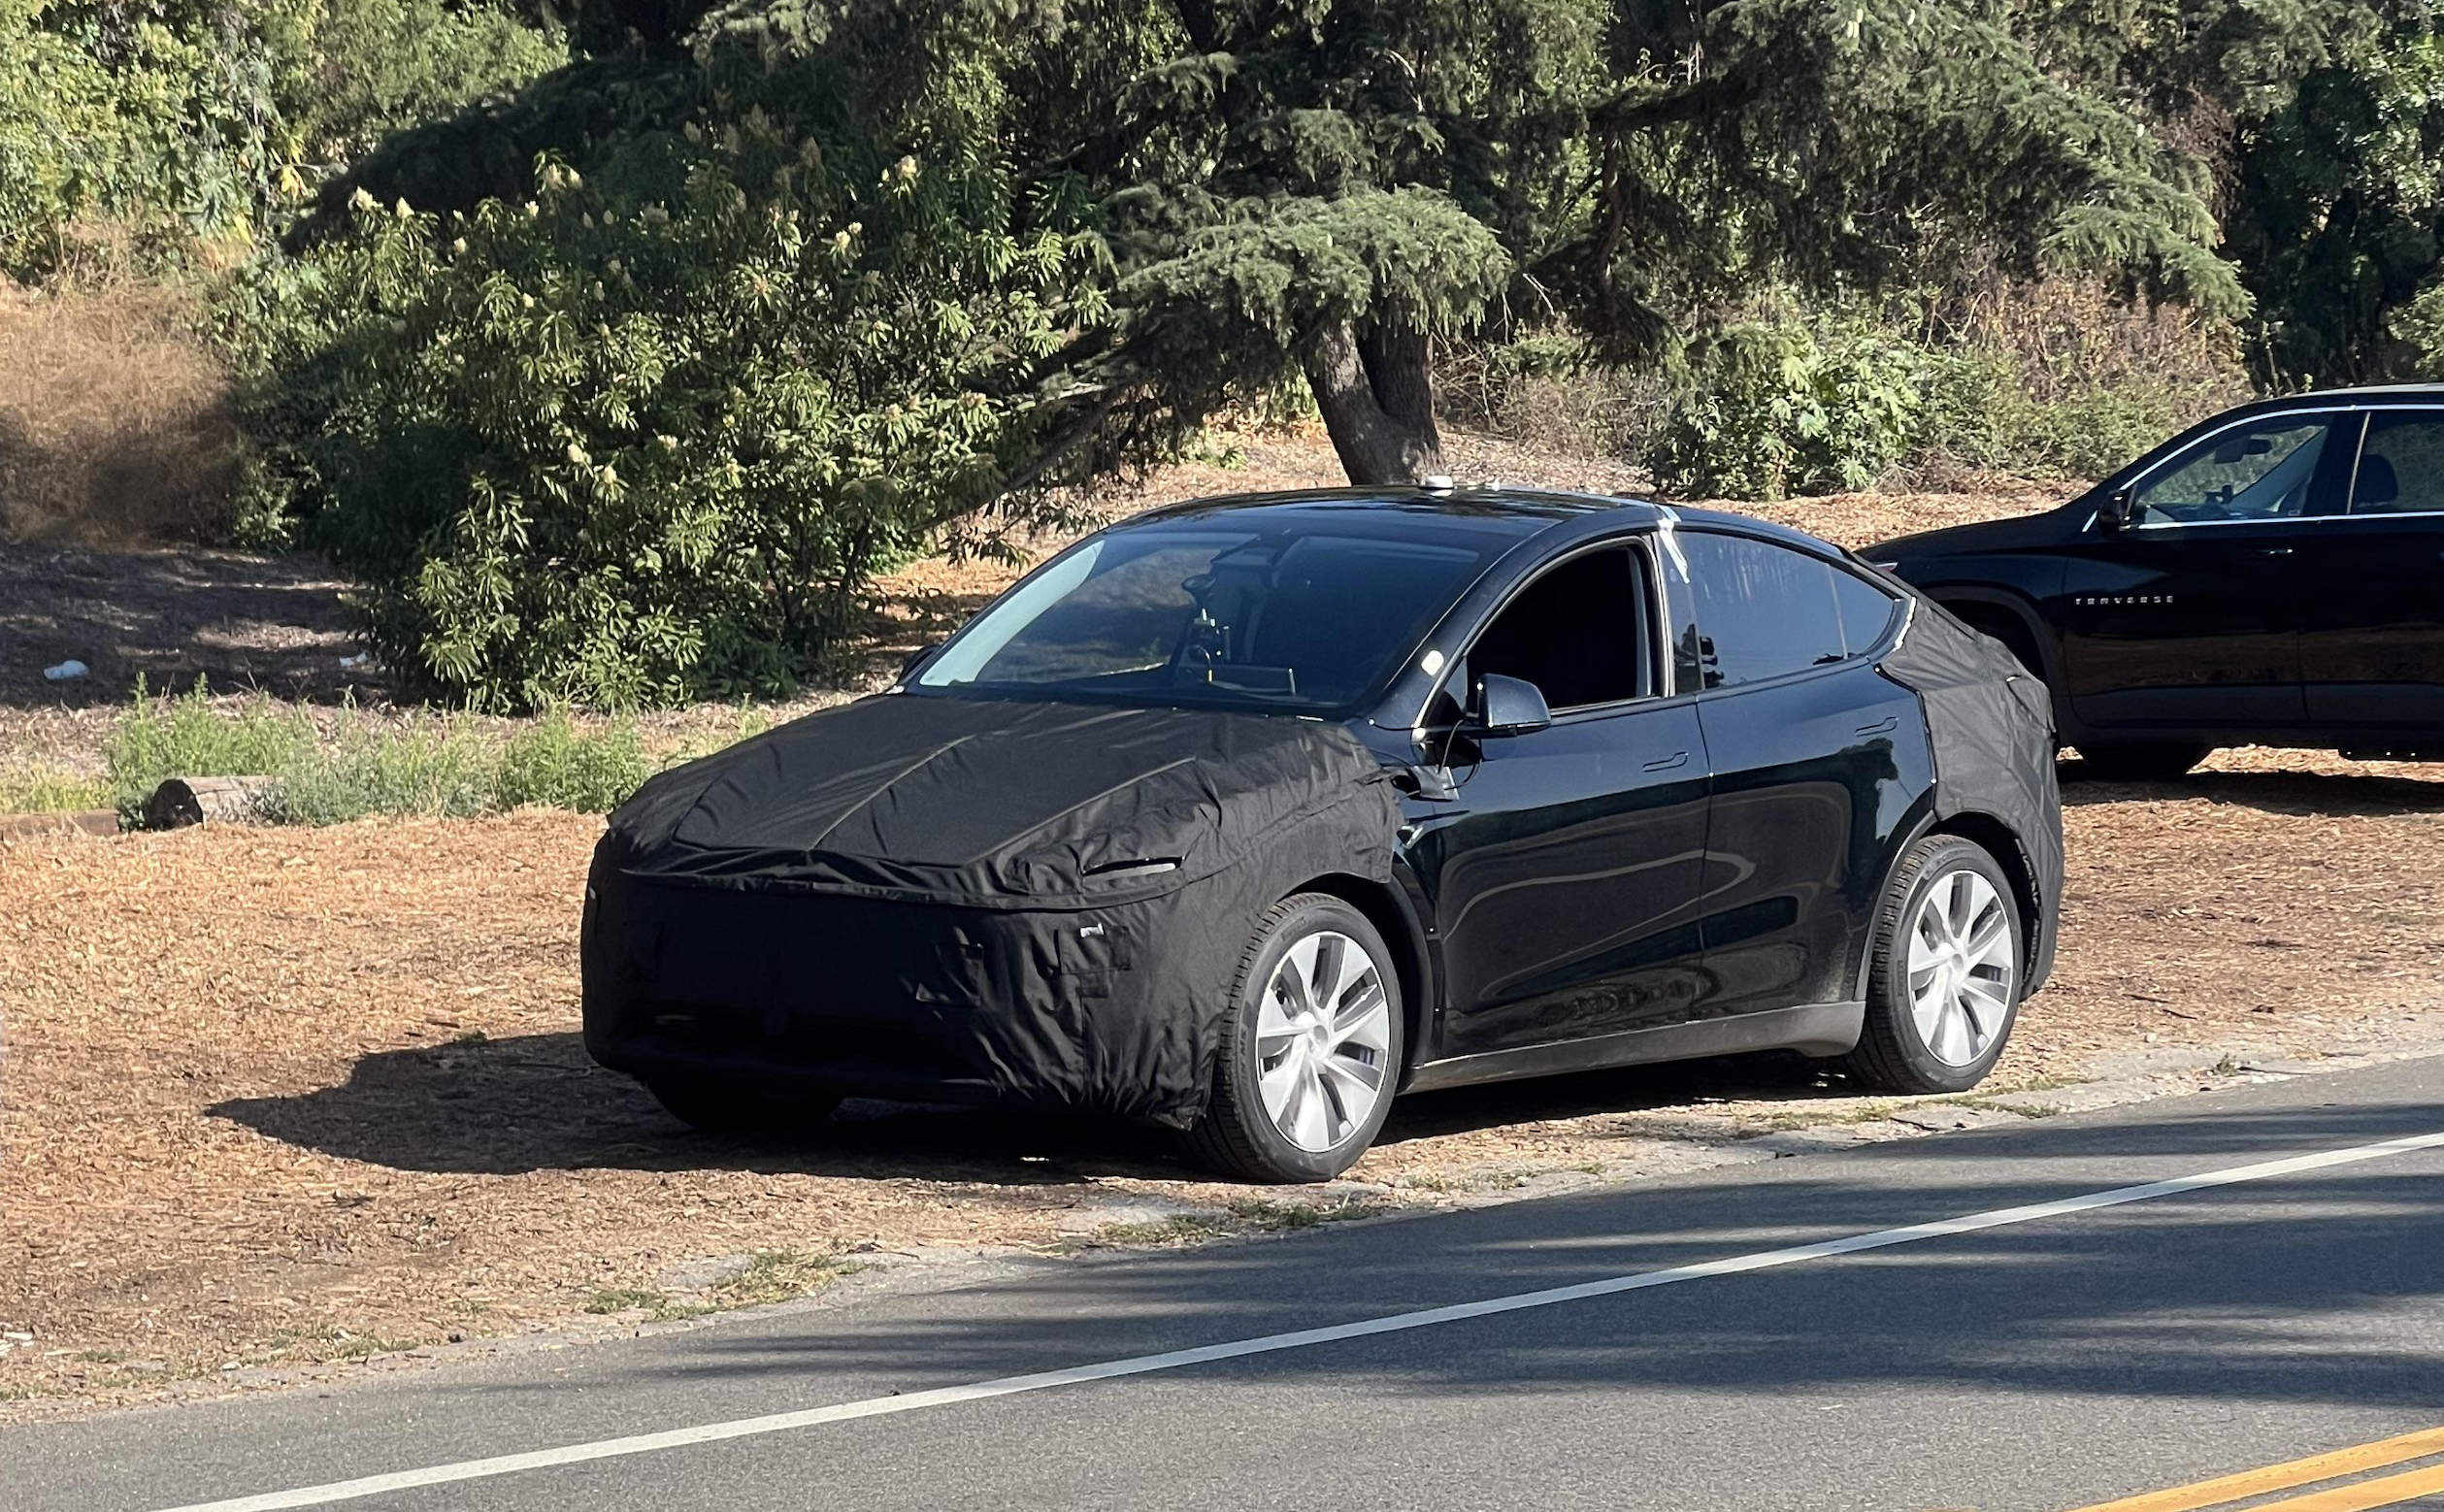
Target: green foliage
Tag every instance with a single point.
(646, 437)
(1777, 408)
(554, 765)
(416, 766)
(34, 788)
(192, 735)
(204, 120)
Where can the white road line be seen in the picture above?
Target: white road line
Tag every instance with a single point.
(1397, 1323)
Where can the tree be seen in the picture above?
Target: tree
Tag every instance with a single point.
(1330, 186)
(2324, 122)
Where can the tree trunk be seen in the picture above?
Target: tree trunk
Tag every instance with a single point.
(1376, 394)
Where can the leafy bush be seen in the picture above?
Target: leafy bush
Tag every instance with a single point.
(1771, 408)
(196, 120)
(646, 437)
(429, 769)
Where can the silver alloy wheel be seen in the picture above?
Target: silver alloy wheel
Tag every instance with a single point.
(1323, 1040)
(1963, 970)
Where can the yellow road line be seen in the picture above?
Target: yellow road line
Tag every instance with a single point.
(2387, 1491)
(2296, 1473)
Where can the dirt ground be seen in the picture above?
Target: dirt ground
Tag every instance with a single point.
(278, 1097)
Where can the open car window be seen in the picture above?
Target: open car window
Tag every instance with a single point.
(2260, 471)
(1579, 633)
(1304, 620)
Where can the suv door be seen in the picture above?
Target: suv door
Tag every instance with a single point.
(2372, 632)
(2189, 618)
(1816, 756)
(1563, 879)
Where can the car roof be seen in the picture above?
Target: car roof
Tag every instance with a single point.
(1489, 510)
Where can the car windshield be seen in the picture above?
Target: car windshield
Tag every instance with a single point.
(1293, 618)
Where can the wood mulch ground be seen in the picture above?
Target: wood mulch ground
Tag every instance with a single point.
(276, 1096)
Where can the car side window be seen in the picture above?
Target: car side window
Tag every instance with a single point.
(2402, 465)
(2260, 471)
(1765, 611)
(1867, 612)
(1578, 633)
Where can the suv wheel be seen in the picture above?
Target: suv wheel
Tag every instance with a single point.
(1944, 990)
(1311, 1048)
(2140, 763)
(719, 1106)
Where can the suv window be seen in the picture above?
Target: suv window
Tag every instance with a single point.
(2402, 465)
(1765, 611)
(1578, 633)
(2260, 471)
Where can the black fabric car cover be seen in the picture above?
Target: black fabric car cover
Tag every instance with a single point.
(1022, 903)
(1991, 724)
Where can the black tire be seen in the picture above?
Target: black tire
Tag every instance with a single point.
(2152, 761)
(720, 1106)
(1235, 1136)
(1893, 1054)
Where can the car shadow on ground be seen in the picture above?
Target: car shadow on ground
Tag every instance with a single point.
(2307, 793)
(536, 1103)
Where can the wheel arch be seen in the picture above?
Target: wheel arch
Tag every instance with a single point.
(1397, 922)
(2000, 841)
(1982, 607)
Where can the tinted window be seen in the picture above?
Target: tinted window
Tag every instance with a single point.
(1762, 611)
(2401, 467)
(1296, 618)
(2256, 471)
(1867, 612)
(1577, 632)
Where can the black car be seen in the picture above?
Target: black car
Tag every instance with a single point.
(2273, 576)
(1243, 815)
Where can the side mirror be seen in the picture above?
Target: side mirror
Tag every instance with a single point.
(2118, 507)
(1507, 706)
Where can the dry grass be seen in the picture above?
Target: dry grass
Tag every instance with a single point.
(115, 426)
(296, 1097)
(274, 1094)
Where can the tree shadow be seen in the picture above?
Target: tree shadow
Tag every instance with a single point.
(2305, 794)
(172, 616)
(538, 1102)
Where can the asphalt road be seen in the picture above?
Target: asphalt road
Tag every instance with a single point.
(2036, 1361)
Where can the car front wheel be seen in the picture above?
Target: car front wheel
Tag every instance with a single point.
(1944, 989)
(1310, 1050)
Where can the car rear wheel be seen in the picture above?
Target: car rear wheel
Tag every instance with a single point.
(1944, 989)
(2141, 763)
(1310, 1049)
(719, 1106)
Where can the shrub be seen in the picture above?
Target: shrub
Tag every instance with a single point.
(194, 736)
(1547, 389)
(555, 765)
(646, 437)
(1774, 408)
(422, 768)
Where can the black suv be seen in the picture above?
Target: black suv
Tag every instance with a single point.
(2273, 576)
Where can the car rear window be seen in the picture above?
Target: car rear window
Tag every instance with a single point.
(1765, 611)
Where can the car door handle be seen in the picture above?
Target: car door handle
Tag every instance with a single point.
(1883, 726)
(1667, 763)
